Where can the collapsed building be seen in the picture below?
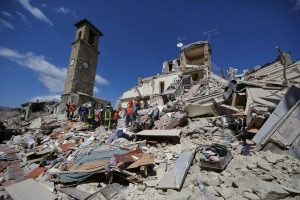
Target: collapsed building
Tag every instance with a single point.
(275, 71)
(193, 64)
(210, 138)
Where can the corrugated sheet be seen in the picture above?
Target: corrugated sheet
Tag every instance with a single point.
(88, 161)
(36, 172)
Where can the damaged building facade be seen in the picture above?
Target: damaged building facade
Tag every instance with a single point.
(194, 63)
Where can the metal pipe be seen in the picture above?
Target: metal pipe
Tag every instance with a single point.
(283, 60)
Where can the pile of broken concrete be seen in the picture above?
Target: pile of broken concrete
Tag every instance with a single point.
(256, 124)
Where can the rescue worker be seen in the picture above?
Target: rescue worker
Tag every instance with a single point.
(116, 117)
(67, 110)
(108, 117)
(84, 112)
(137, 103)
(99, 117)
(130, 103)
(72, 109)
(129, 116)
(80, 112)
(91, 114)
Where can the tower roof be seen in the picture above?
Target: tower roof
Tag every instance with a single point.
(85, 21)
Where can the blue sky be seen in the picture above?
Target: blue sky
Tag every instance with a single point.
(36, 37)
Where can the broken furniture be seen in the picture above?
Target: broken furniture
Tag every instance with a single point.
(214, 157)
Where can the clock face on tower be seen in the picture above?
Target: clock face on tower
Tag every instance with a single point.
(85, 65)
(72, 62)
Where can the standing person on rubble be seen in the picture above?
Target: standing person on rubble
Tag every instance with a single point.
(91, 114)
(102, 116)
(99, 117)
(136, 107)
(145, 105)
(137, 104)
(130, 103)
(108, 117)
(116, 118)
(130, 115)
(84, 112)
(72, 109)
(67, 111)
(80, 112)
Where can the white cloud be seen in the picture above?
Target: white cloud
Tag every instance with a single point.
(62, 10)
(102, 81)
(5, 24)
(44, 5)
(7, 14)
(54, 97)
(37, 13)
(53, 77)
(96, 90)
(65, 11)
(23, 18)
(297, 4)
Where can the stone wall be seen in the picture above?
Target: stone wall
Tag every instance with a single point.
(79, 78)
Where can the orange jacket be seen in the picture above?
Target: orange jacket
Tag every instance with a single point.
(116, 116)
(129, 111)
(72, 108)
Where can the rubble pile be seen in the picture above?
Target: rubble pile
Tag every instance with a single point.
(212, 140)
(17, 118)
(12, 117)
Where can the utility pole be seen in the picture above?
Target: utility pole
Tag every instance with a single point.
(284, 62)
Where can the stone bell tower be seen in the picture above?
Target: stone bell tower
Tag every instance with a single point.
(79, 85)
(83, 60)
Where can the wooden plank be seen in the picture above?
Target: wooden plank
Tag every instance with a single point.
(160, 133)
(147, 159)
